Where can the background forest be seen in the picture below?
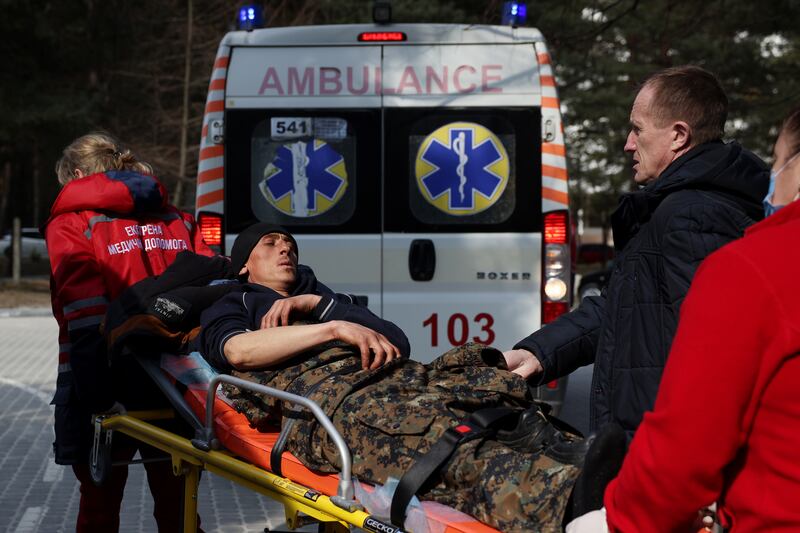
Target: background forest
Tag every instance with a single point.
(140, 70)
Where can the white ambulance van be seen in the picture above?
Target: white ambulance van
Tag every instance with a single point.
(420, 166)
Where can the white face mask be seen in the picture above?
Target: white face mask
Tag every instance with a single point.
(769, 208)
(774, 174)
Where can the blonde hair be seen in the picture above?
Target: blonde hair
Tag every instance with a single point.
(97, 152)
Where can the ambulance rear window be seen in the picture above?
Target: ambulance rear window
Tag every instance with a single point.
(310, 170)
(463, 170)
(303, 170)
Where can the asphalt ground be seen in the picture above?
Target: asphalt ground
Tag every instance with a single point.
(38, 495)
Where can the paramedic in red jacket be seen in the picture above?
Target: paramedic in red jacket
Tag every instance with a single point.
(726, 423)
(110, 226)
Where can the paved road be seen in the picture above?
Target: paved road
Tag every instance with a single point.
(37, 495)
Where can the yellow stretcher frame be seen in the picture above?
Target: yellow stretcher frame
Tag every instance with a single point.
(188, 461)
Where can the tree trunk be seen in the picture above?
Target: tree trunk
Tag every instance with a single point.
(36, 188)
(606, 232)
(187, 75)
(16, 251)
(5, 191)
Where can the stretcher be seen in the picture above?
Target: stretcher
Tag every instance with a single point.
(226, 445)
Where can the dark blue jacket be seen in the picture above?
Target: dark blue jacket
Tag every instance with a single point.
(703, 200)
(242, 310)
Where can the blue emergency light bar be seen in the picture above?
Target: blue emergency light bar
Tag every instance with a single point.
(250, 17)
(514, 13)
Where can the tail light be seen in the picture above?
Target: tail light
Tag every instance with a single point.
(381, 36)
(211, 230)
(553, 310)
(556, 267)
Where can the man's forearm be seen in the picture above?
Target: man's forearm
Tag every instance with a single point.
(329, 309)
(568, 343)
(266, 347)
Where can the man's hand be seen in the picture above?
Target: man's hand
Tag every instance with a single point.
(376, 350)
(522, 362)
(281, 310)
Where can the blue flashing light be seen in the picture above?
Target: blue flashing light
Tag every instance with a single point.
(249, 18)
(514, 13)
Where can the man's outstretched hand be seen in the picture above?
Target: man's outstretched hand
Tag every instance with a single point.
(283, 309)
(376, 350)
(522, 362)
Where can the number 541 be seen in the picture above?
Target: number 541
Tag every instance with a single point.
(458, 328)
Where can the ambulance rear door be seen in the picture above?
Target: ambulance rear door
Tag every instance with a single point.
(302, 130)
(462, 208)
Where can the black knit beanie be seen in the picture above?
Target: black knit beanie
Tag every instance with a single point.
(247, 240)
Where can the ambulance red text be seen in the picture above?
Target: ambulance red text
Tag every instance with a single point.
(361, 80)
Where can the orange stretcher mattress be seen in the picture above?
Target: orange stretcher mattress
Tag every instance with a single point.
(234, 432)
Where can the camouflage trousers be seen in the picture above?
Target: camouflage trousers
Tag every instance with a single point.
(503, 488)
(392, 416)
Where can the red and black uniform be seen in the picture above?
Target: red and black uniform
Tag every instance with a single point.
(106, 231)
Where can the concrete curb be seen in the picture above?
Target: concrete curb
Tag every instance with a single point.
(25, 311)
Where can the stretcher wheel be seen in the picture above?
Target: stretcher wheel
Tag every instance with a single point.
(100, 464)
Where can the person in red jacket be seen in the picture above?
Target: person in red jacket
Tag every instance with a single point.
(726, 423)
(110, 226)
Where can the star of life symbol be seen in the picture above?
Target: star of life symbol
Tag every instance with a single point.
(462, 168)
(304, 179)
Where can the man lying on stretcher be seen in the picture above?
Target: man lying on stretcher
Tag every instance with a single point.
(277, 289)
(391, 411)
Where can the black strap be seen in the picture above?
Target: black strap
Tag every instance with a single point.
(479, 424)
(547, 409)
(563, 426)
(492, 417)
(277, 448)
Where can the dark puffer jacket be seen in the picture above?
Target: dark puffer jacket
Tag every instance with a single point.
(703, 200)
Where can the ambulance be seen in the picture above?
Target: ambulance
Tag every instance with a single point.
(421, 167)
